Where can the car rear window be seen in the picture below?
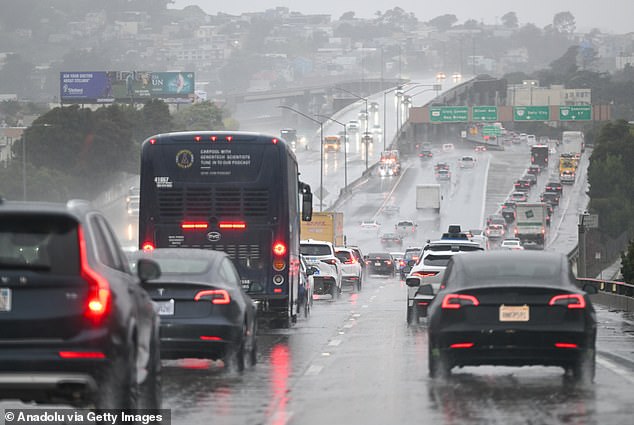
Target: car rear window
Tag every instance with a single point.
(315, 249)
(513, 272)
(343, 256)
(181, 266)
(379, 256)
(436, 260)
(41, 242)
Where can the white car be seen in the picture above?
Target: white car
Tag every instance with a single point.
(467, 162)
(479, 236)
(321, 254)
(518, 197)
(513, 244)
(370, 225)
(431, 266)
(495, 231)
(448, 147)
(351, 269)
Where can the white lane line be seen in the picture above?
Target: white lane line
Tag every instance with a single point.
(484, 191)
(357, 314)
(364, 306)
(334, 342)
(313, 370)
(348, 325)
(624, 373)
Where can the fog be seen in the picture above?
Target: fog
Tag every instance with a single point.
(613, 16)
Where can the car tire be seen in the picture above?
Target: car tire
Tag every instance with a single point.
(150, 397)
(237, 356)
(334, 291)
(359, 284)
(253, 352)
(439, 366)
(583, 369)
(118, 387)
(411, 315)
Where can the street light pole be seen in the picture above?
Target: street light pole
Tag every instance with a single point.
(321, 147)
(367, 118)
(345, 148)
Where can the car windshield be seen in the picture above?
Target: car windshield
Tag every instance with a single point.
(315, 249)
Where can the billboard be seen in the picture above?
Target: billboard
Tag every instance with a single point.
(126, 86)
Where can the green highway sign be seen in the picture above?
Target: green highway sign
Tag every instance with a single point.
(449, 114)
(531, 113)
(575, 113)
(491, 130)
(484, 113)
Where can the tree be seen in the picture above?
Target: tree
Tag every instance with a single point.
(566, 64)
(443, 22)
(509, 20)
(348, 16)
(564, 22)
(200, 116)
(627, 263)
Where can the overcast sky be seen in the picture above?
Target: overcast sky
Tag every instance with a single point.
(613, 16)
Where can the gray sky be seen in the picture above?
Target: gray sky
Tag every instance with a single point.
(612, 16)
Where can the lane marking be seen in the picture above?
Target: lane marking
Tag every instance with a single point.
(624, 373)
(313, 370)
(334, 342)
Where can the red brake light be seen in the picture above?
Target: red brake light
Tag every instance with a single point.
(152, 141)
(98, 302)
(210, 338)
(330, 261)
(216, 296)
(424, 274)
(235, 225)
(462, 345)
(565, 345)
(275, 141)
(229, 138)
(279, 248)
(197, 138)
(82, 355)
(214, 138)
(148, 246)
(191, 225)
(569, 300)
(455, 301)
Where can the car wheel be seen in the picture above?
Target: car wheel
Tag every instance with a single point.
(253, 352)
(439, 366)
(334, 291)
(118, 387)
(150, 389)
(583, 369)
(236, 358)
(359, 284)
(411, 315)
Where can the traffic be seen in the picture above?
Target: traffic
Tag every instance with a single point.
(242, 290)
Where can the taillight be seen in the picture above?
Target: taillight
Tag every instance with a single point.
(194, 225)
(424, 274)
(456, 301)
(351, 261)
(569, 300)
(82, 355)
(216, 296)
(462, 345)
(565, 345)
(98, 301)
(232, 225)
(148, 246)
(388, 262)
(330, 261)
(279, 248)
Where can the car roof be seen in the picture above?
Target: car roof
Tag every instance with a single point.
(75, 208)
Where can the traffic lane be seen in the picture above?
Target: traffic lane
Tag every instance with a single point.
(196, 390)
(376, 372)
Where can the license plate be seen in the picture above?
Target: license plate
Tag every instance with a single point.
(511, 313)
(165, 308)
(377, 264)
(5, 299)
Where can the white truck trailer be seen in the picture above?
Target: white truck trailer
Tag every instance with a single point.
(428, 197)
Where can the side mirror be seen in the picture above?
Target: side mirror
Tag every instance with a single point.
(147, 269)
(590, 289)
(311, 270)
(413, 282)
(307, 205)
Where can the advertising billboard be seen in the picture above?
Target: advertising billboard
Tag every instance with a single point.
(126, 86)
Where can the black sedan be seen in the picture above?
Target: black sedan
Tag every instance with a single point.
(512, 308)
(380, 263)
(391, 239)
(204, 311)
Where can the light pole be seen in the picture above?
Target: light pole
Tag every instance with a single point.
(399, 87)
(321, 148)
(530, 85)
(345, 149)
(367, 118)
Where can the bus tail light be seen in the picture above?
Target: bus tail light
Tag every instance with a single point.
(233, 225)
(279, 248)
(456, 301)
(194, 225)
(566, 345)
(148, 246)
(216, 296)
(569, 300)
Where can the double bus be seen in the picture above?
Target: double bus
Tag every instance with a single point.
(236, 192)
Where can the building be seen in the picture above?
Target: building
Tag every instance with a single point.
(530, 93)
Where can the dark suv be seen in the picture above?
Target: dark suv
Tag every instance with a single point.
(76, 327)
